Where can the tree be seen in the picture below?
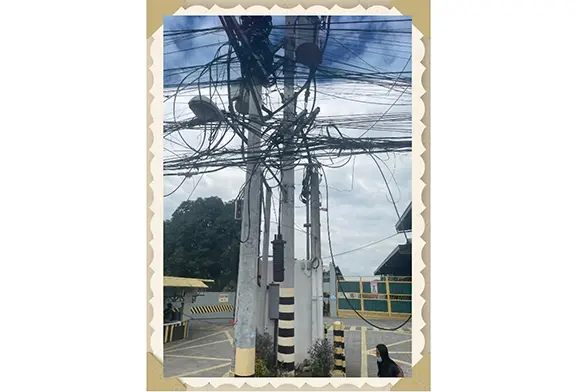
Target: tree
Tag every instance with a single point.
(201, 240)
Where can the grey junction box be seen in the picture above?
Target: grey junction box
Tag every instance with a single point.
(273, 301)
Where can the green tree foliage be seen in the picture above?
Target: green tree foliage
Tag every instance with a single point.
(201, 240)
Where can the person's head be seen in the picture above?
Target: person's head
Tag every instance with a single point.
(382, 353)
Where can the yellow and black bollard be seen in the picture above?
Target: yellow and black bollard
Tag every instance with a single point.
(325, 331)
(286, 342)
(339, 354)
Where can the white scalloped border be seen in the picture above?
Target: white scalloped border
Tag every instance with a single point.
(156, 206)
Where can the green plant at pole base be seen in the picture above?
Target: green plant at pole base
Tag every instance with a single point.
(266, 353)
(260, 369)
(321, 358)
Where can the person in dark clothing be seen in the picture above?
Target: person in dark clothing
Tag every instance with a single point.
(168, 313)
(386, 366)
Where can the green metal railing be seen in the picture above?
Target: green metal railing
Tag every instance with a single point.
(389, 297)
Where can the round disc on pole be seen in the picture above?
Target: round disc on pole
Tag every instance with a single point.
(205, 109)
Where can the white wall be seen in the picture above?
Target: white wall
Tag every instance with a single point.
(211, 298)
(302, 312)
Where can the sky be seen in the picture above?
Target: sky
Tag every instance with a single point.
(359, 204)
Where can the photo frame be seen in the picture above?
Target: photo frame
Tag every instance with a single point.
(420, 13)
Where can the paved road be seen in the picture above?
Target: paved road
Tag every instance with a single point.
(206, 352)
(361, 339)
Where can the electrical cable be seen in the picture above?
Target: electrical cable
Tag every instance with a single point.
(338, 280)
(308, 142)
(389, 191)
(365, 246)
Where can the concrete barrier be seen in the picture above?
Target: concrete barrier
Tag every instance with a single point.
(211, 306)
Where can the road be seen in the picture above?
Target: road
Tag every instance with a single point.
(360, 340)
(207, 351)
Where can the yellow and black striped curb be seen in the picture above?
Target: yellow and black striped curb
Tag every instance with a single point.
(175, 331)
(368, 329)
(211, 309)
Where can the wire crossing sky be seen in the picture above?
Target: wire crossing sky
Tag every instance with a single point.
(363, 98)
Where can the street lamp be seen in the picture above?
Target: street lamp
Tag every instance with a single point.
(204, 109)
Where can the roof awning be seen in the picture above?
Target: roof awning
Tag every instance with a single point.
(171, 281)
(398, 262)
(405, 221)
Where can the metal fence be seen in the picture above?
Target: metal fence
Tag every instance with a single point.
(390, 297)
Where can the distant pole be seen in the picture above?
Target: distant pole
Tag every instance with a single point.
(316, 256)
(245, 325)
(263, 323)
(287, 181)
(307, 226)
(333, 291)
(287, 322)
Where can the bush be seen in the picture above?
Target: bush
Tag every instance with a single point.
(319, 364)
(266, 353)
(285, 374)
(321, 358)
(261, 370)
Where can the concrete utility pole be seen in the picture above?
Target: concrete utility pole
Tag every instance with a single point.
(316, 258)
(286, 324)
(246, 301)
(265, 325)
(333, 302)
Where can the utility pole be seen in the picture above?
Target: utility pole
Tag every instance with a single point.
(307, 226)
(265, 325)
(246, 297)
(333, 291)
(316, 257)
(287, 323)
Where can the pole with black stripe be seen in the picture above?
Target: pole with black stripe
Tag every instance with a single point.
(339, 357)
(286, 356)
(286, 322)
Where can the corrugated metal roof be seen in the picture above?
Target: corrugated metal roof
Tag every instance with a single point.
(399, 261)
(405, 221)
(172, 281)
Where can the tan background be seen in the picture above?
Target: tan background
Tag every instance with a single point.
(420, 12)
